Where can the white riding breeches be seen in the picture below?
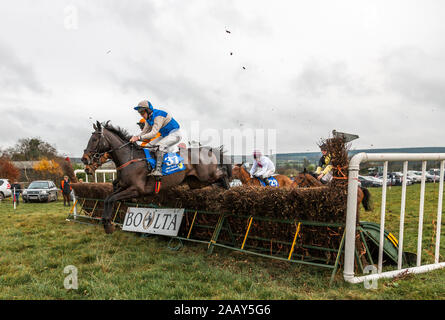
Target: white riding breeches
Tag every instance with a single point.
(168, 143)
(327, 177)
(264, 175)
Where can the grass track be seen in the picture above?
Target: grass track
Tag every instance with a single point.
(36, 244)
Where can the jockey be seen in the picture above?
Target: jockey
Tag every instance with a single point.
(262, 166)
(141, 125)
(324, 169)
(157, 121)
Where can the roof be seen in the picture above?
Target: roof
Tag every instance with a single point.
(24, 164)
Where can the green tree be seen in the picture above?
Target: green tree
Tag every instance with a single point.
(29, 149)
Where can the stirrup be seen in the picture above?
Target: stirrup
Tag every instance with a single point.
(155, 173)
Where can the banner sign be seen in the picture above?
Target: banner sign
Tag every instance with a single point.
(156, 221)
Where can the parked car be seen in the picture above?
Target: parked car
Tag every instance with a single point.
(374, 182)
(416, 176)
(399, 176)
(40, 190)
(435, 174)
(431, 177)
(5, 189)
(378, 182)
(367, 181)
(391, 180)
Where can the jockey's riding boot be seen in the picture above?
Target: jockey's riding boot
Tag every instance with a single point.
(157, 172)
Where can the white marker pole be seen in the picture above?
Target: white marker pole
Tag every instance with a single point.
(15, 200)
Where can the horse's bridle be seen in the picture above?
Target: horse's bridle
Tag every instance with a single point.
(94, 156)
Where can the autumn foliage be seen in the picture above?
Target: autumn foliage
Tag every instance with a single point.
(48, 169)
(8, 170)
(48, 166)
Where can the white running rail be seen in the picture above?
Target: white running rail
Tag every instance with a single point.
(354, 166)
(103, 171)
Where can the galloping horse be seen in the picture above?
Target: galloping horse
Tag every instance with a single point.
(240, 172)
(202, 167)
(305, 179)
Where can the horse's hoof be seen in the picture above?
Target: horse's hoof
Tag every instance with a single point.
(109, 228)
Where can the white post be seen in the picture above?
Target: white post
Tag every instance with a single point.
(439, 212)
(351, 216)
(420, 229)
(402, 215)
(15, 200)
(382, 218)
(75, 205)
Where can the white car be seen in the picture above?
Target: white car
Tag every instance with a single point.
(435, 175)
(409, 180)
(428, 176)
(416, 176)
(5, 189)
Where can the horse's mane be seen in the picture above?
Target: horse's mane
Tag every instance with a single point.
(120, 132)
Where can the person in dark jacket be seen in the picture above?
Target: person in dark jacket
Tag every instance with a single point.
(66, 190)
(16, 189)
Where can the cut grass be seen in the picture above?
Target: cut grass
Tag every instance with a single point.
(37, 243)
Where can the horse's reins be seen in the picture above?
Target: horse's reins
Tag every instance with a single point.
(339, 169)
(132, 160)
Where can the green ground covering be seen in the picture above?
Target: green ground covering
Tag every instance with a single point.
(37, 243)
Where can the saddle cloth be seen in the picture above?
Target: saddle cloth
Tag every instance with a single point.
(271, 180)
(172, 162)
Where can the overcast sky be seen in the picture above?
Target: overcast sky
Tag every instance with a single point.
(373, 68)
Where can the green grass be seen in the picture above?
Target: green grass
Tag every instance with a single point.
(37, 243)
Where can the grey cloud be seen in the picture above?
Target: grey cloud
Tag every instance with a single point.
(147, 79)
(137, 14)
(15, 74)
(316, 79)
(416, 76)
(68, 132)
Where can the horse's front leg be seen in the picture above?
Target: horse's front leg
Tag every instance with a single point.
(109, 203)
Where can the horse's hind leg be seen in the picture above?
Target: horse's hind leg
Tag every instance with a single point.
(109, 202)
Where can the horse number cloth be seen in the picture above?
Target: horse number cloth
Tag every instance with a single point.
(271, 180)
(172, 162)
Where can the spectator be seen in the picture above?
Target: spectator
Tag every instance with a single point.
(16, 189)
(66, 190)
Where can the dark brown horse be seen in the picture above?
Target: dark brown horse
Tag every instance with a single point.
(203, 167)
(305, 179)
(240, 172)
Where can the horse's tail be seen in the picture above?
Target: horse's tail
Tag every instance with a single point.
(366, 199)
